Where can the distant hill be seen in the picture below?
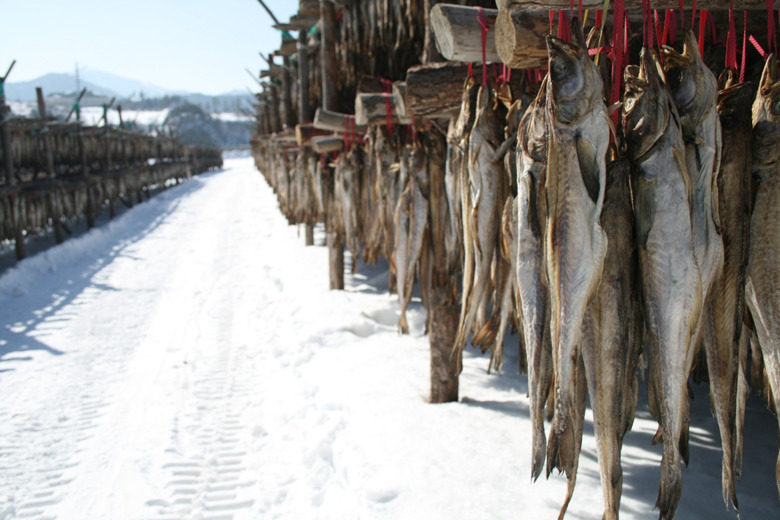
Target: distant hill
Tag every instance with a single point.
(102, 83)
(54, 82)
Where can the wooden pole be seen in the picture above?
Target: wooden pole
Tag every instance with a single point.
(304, 115)
(520, 37)
(56, 223)
(330, 99)
(442, 309)
(287, 101)
(8, 163)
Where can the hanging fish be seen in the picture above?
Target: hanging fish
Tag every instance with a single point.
(762, 283)
(671, 284)
(578, 136)
(612, 333)
(488, 187)
(532, 286)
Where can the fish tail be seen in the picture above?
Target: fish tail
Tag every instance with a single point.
(569, 493)
(670, 488)
(561, 446)
(486, 336)
(403, 325)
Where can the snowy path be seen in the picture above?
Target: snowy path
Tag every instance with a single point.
(187, 361)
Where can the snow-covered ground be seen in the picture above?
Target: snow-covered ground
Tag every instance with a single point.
(187, 361)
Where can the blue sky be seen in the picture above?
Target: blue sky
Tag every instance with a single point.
(194, 45)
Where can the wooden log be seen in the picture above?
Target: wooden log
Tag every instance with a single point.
(329, 81)
(304, 133)
(335, 121)
(288, 48)
(372, 109)
(458, 32)
(309, 7)
(436, 89)
(326, 144)
(520, 37)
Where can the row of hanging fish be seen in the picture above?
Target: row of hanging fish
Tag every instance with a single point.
(653, 251)
(619, 253)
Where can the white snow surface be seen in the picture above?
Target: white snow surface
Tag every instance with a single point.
(187, 361)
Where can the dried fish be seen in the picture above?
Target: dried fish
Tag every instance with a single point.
(671, 282)
(578, 136)
(762, 285)
(531, 280)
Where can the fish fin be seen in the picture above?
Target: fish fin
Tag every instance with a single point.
(589, 167)
(644, 199)
(670, 487)
(657, 437)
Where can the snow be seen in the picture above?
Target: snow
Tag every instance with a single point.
(143, 118)
(187, 361)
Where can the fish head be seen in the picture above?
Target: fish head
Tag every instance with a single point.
(734, 103)
(491, 116)
(693, 85)
(766, 107)
(645, 104)
(574, 81)
(532, 130)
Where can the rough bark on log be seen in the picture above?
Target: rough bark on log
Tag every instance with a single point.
(304, 133)
(436, 89)
(371, 109)
(458, 32)
(327, 143)
(335, 122)
(520, 37)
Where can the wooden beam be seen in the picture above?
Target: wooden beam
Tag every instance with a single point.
(327, 144)
(436, 89)
(334, 121)
(372, 108)
(304, 132)
(520, 37)
(458, 32)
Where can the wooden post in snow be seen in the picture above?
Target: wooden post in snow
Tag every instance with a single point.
(330, 100)
(303, 111)
(56, 223)
(8, 163)
(443, 311)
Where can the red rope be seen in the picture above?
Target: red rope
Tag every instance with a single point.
(702, 28)
(758, 47)
(682, 14)
(618, 35)
(770, 26)
(552, 20)
(731, 40)
(693, 21)
(485, 28)
(659, 33)
(744, 51)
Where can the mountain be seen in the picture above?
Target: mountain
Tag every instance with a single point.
(54, 82)
(97, 81)
(125, 87)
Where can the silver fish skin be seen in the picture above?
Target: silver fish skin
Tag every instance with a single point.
(612, 333)
(671, 283)
(488, 186)
(695, 90)
(578, 137)
(530, 265)
(402, 218)
(727, 298)
(762, 283)
(491, 335)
